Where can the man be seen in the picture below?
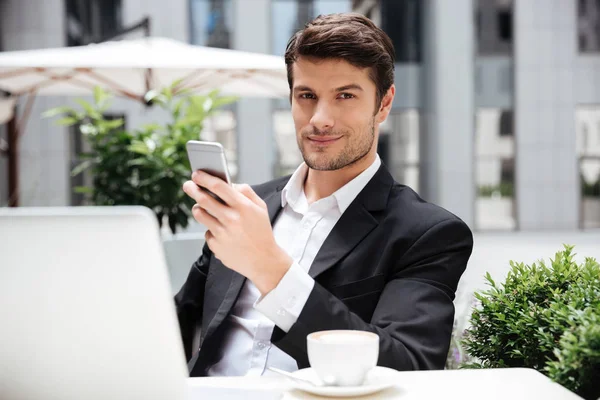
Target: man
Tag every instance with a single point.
(339, 244)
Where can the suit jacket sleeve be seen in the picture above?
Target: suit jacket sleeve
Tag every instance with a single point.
(415, 312)
(190, 299)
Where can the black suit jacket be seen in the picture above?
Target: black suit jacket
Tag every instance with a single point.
(391, 265)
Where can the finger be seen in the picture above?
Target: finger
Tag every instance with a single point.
(206, 219)
(217, 186)
(191, 189)
(247, 191)
(205, 200)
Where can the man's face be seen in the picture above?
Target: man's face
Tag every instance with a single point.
(333, 106)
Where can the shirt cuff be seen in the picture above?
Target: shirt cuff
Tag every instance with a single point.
(284, 304)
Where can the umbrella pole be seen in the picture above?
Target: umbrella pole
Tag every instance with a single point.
(14, 130)
(13, 161)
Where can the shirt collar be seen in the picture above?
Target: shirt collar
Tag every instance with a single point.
(344, 196)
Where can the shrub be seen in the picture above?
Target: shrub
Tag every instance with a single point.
(542, 317)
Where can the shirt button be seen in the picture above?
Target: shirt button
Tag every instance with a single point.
(261, 345)
(281, 312)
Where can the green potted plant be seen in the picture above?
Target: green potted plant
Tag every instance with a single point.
(544, 317)
(145, 166)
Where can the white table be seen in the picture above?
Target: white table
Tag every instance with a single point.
(505, 384)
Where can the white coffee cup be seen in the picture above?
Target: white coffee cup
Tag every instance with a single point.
(343, 357)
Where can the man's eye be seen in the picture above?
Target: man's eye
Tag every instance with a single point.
(346, 96)
(307, 96)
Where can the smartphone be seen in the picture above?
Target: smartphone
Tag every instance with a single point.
(210, 158)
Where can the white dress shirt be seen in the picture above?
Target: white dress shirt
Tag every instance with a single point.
(300, 230)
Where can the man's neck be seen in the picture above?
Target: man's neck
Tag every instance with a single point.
(321, 184)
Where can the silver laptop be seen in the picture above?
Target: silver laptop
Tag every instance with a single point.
(86, 310)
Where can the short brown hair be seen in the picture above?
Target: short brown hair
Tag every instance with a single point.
(350, 37)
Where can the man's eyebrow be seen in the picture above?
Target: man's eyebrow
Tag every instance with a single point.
(302, 88)
(351, 86)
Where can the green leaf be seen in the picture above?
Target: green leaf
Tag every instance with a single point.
(58, 111)
(177, 108)
(67, 121)
(99, 95)
(136, 162)
(223, 101)
(168, 152)
(82, 167)
(89, 109)
(167, 93)
(488, 277)
(139, 147)
(83, 189)
(114, 123)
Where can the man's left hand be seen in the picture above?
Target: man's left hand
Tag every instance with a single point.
(239, 232)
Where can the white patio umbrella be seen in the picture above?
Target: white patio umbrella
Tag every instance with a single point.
(131, 68)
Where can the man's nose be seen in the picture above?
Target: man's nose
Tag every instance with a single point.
(322, 119)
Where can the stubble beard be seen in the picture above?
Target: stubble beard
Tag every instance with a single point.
(349, 155)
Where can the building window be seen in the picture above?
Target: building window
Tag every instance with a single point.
(91, 21)
(289, 16)
(495, 169)
(588, 152)
(220, 127)
(588, 26)
(401, 146)
(402, 21)
(494, 22)
(506, 123)
(211, 23)
(504, 22)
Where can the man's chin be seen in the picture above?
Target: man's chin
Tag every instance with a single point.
(321, 163)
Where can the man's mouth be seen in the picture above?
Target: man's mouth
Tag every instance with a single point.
(323, 140)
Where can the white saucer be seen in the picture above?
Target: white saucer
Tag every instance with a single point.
(378, 379)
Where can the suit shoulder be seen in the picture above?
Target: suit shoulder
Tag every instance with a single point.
(413, 209)
(264, 189)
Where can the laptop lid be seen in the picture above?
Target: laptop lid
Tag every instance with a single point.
(86, 307)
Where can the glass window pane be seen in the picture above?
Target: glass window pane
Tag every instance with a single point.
(588, 150)
(211, 23)
(495, 163)
(283, 23)
(494, 26)
(403, 128)
(220, 127)
(402, 20)
(588, 26)
(92, 20)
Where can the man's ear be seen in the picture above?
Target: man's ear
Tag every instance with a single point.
(386, 105)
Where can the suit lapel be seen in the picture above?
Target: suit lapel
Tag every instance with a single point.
(274, 204)
(355, 223)
(236, 280)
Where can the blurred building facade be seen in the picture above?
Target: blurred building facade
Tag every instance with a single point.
(496, 117)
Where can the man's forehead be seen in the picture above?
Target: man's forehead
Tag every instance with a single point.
(309, 64)
(331, 72)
